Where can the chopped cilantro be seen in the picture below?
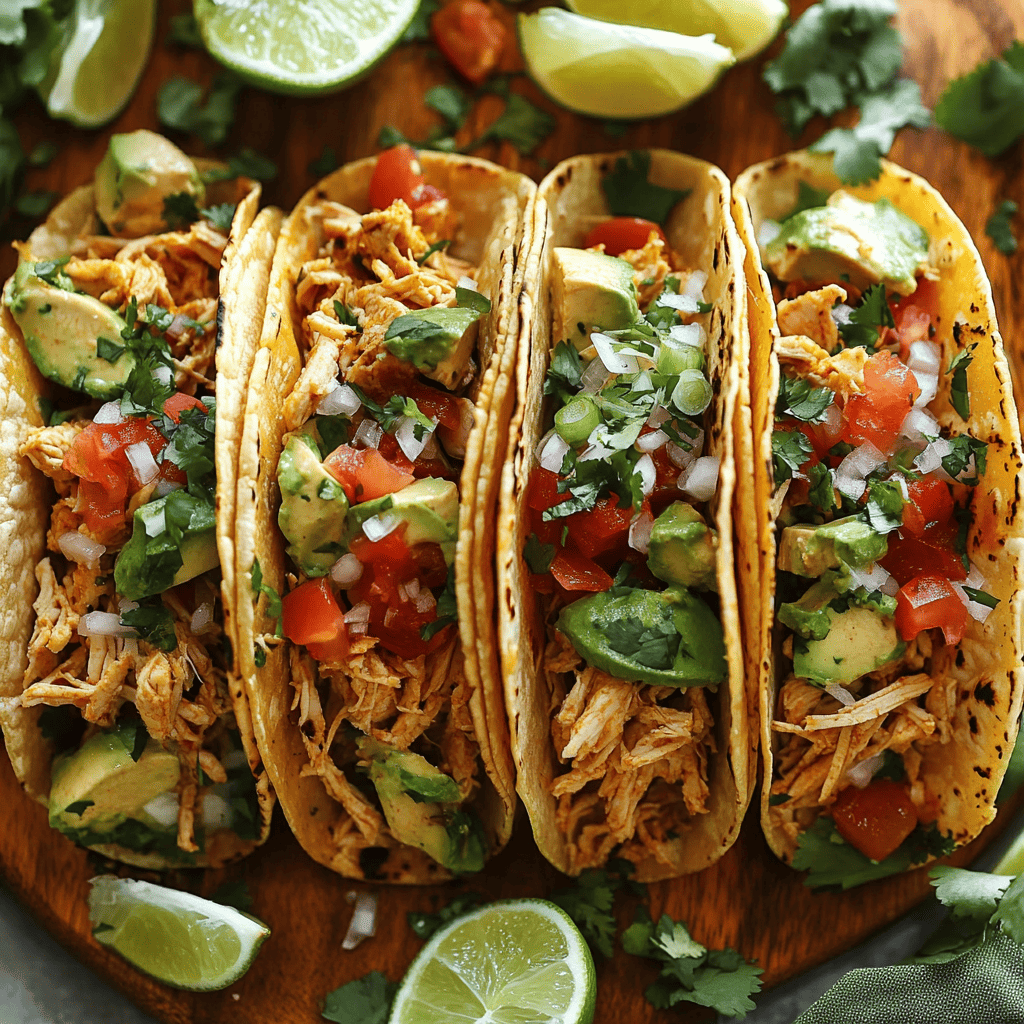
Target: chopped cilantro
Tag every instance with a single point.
(42, 154)
(520, 123)
(424, 925)
(790, 450)
(259, 656)
(565, 372)
(959, 396)
(630, 194)
(998, 228)
(184, 31)
(451, 103)
(447, 609)
(154, 623)
(441, 243)
(538, 556)
(963, 446)
(821, 489)
(344, 314)
(590, 903)
(797, 398)
(985, 108)
(259, 587)
(418, 30)
(180, 210)
(220, 216)
(653, 646)
(34, 204)
(367, 1000)
(865, 321)
(326, 162)
(247, 163)
(180, 106)
(885, 506)
(891, 767)
(109, 350)
(191, 448)
(470, 298)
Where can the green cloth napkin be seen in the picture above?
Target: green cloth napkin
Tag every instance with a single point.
(982, 986)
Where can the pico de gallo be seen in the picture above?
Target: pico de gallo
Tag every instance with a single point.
(873, 509)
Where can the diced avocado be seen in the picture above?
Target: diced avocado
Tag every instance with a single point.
(313, 507)
(809, 617)
(173, 540)
(65, 331)
(429, 508)
(421, 805)
(437, 341)
(810, 550)
(867, 242)
(590, 292)
(99, 786)
(858, 641)
(682, 548)
(137, 174)
(667, 638)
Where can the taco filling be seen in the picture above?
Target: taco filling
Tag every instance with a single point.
(126, 654)
(619, 541)
(369, 476)
(873, 506)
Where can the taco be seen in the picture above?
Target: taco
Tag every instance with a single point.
(891, 532)
(126, 334)
(619, 627)
(365, 497)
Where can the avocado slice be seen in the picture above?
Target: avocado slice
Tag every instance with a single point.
(421, 805)
(858, 641)
(139, 171)
(668, 638)
(590, 292)
(63, 330)
(437, 341)
(682, 548)
(867, 242)
(313, 508)
(173, 540)
(429, 508)
(810, 550)
(100, 785)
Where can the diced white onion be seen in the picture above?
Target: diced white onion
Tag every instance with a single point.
(378, 527)
(347, 570)
(683, 303)
(424, 601)
(861, 774)
(877, 579)
(157, 523)
(918, 423)
(368, 433)
(688, 334)
(767, 233)
(405, 435)
(658, 416)
(109, 413)
(841, 694)
(358, 613)
(925, 357)
(142, 461)
(595, 451)
(340, 401)
(216, 811)
(975, 579)
(931, 458)
(164, 374)
(409, 591)
(648, 473)
(855, 468)
(701, 479)
(103, 624)
(613, 361)
(163, 808)
(468, 282)
(842, 314)
(653, 441)
(124, 605)
(76, 547)
(594, 377)
(832, 422)
(364, 921)
(640, 531)
(553, 452)
(694, 284)
(202, 617)
(929, 385)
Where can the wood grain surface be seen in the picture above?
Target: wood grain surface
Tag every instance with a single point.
(748, 900)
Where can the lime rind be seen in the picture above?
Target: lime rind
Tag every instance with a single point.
(182, 940)
(525, 957)
(617, 71)
(302, 47)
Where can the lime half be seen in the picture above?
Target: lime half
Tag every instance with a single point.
(301, 47)
(102, 60)
(519, 960)
(745, 26)
(617, 71)
(180, 939)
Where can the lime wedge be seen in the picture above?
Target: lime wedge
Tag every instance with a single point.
(745, 26)
(102, 61)
(302, 47)
(606, 70)
(1012, 862)
(519, 960)
(180, 939)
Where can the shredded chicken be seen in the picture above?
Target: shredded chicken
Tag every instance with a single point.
(810, 315)
(842, 372)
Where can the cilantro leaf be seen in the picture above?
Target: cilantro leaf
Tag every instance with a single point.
(565, 372)
(180, 210)
(447, 609)
(891, 767)
(367, 1000)
(326, 162)
(959, 396)
(184, 31)
(180, 106)
(998, 228)
(985, 108)
(538, 556)
(799, 399)
(790, 450)
(470, 298)
(418, 30)
(34, 204)
(191, 448)
(590, 904)
(247, 163)
(440, 244)
(962, 448)
(424, 925)
(1009, 914)
(520, 123)
(220, 216)
(344, 314)
(968, 893)
(653, 646)
(885, 506)
(861, 330)
(821, 489)
(630, 194)
(154, 624)
(451, 103)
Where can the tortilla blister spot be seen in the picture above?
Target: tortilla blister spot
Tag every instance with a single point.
(570, 201)
(990, 655)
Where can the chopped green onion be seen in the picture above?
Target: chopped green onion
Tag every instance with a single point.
(576, 421)
(692, 393)
(981, 597)
(677, 356)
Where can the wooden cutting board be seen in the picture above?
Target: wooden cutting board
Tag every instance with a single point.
(748, 900)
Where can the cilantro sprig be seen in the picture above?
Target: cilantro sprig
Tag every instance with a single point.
(999, 229)
(802, 401)
(959, 396)
(865, 322)
(367, 1000)
(630, 194)
(590, 902)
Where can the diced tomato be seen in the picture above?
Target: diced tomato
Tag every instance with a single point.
(311, 615)
(397, 175)
(875, 819)
(622, 233)
(542, 493)
(929, 601)
(364, 473)
(178, 403)
(890, 389)
(436, 403)
(914, 315)
(601, 530)
(470, 36)
(575, 571)
(931, 552)
(929, 503)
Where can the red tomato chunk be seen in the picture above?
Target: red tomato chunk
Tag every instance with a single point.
(875, 819)
(470, 36)
(927, 602)
(622, 233)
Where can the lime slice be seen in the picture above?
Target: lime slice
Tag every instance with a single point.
(519, 960)
(102, 60)
(745, 26)
(1012, 862)
(605, 70)
(301, 47)
(180, 939)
